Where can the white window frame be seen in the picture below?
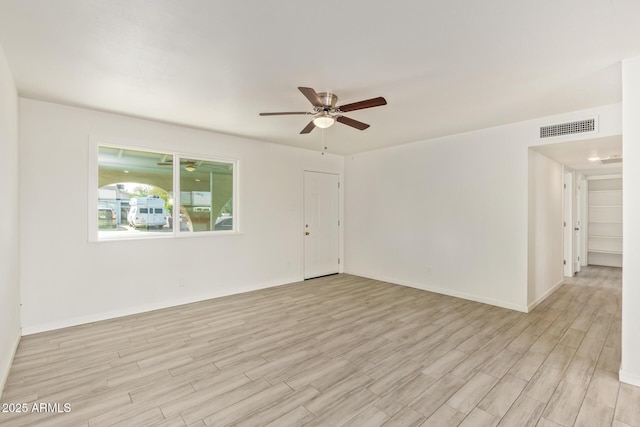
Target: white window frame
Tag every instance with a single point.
(92, 207)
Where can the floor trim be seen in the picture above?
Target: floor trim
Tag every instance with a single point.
(546, 294)
(444, 291)
(6, 369)
(114, 314)
(629, 378)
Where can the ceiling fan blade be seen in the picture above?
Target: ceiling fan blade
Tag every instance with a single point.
(165, 163)
(308, 128)
(284, 113)
(373, 102)
(312, 96)
(353, 123)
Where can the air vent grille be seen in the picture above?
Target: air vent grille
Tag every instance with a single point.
(611, 160)
(569, 128)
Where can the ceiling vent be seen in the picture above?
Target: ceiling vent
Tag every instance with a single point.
(611, 161)
(569, 128)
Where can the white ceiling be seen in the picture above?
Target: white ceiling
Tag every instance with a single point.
(575, 154)
(444, 67)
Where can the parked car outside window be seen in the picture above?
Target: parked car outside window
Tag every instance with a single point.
(224, 223)
(106, 218)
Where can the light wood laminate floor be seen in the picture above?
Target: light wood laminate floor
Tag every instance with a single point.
(340, 350)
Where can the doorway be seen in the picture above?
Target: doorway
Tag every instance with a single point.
(592, 200)
(321, 224)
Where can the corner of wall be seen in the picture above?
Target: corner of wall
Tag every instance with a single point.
(545, 248)
(543, 297)
(6, 365)
(630, 360)
(629, 378)
(10, 331)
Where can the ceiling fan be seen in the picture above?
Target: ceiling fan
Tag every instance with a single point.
(189, 165)
(326, 113)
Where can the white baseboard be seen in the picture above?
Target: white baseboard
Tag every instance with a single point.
(546, 294)
(4, 370)
(629, 378)
(82, 320)
(444, 291)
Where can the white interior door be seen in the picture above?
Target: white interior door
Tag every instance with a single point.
(321, 228)
(584, 221)
(578, 217)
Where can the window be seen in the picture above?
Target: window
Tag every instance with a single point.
(206, 194)
(154, 194)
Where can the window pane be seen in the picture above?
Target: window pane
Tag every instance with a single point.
(137, 187)
(206, 195)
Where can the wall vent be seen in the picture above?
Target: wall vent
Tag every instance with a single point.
(569, 128)
(611, 161)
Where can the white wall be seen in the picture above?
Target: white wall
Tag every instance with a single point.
(9, 224)
(450, 214)
(546, 248)
(630, 366)
(66, 280)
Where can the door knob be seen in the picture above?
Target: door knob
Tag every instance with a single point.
(307, 233)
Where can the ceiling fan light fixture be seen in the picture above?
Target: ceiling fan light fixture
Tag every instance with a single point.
(190, 168)
(324, 121)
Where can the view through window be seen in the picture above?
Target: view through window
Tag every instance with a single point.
(143, 193)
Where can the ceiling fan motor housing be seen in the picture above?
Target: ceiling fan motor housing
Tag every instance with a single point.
(328, 100)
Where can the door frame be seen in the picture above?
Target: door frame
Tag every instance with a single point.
(340, 217)
(568, 200)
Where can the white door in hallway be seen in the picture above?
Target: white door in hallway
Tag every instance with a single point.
(321, 224)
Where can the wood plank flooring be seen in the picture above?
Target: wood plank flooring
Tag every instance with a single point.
(340, 350)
